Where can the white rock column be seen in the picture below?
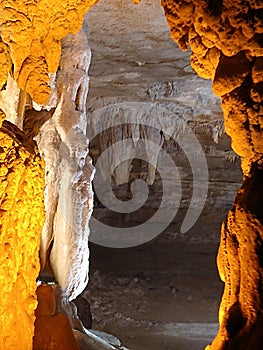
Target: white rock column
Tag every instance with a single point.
(68, 193)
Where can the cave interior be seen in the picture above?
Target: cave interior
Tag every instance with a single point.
(131, 174)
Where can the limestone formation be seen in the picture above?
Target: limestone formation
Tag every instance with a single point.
(22, 218)
(30, 45)
(226, 42)
(30, 52)
(63, 144)
(52, 326)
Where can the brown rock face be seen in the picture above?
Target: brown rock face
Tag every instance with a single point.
(52, 327)
(233, 30)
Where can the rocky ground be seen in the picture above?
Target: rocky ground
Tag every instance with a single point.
(160, 295)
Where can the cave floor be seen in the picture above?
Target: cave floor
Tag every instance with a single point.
(161, 295)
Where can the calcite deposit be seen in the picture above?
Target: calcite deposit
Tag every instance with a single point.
(63, 144)
(226, 42)
(30, 45)
(21, 218)
(30, 52)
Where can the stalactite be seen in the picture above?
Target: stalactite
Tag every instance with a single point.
(226, 42)
(30, 44)
(170, 109)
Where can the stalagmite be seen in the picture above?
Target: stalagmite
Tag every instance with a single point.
(226, 42)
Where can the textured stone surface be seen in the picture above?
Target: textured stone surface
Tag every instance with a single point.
(235, 29)
(68, 196)
(31, 35)
(52, 327)
(21, 220)
(30, 50)
(226, 40)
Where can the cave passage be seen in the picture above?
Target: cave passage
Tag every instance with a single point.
(46, 181)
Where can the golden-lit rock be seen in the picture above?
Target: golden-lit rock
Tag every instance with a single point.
(5, 63)
(235, 29)
(21, 220)
(31, 33)
(241, 267)
(230, 73)
(257, 70)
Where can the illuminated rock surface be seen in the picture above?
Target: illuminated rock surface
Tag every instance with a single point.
(52, 327)
(31, 35)
(226, 40)
(30, 50)
(21, 219)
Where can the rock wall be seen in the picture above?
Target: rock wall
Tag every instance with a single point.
(226, 42)
(21, 221)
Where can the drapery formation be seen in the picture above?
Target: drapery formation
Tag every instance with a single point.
(63, 143)
(226, 42)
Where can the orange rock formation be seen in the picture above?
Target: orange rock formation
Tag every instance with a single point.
(52, 327)
(30, 44)
(21, 220)
(226, 41)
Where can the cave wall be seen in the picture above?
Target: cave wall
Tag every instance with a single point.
(30, 51)
(21, 221)
(226, 42)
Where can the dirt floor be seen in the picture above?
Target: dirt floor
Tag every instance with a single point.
(162, 295)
